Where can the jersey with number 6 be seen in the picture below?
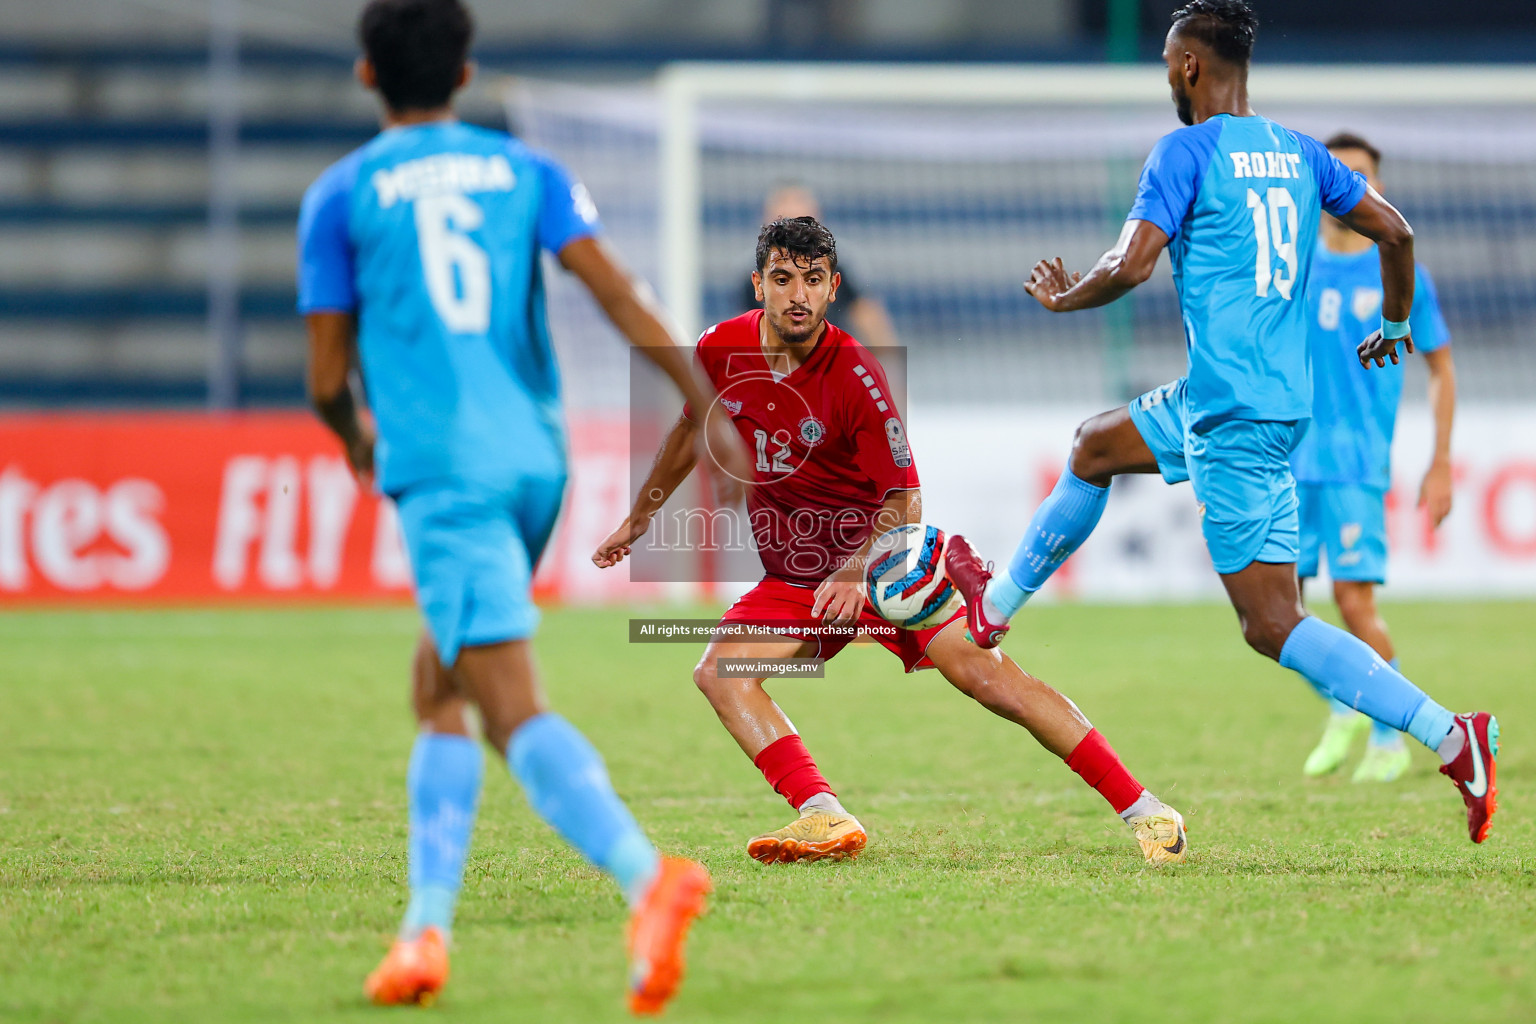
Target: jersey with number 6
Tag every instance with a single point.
(1239, 199)
(431, 234)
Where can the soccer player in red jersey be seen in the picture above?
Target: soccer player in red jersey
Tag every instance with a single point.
(833, 470)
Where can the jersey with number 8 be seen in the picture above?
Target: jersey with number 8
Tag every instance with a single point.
(432, 235)
(1239, 199)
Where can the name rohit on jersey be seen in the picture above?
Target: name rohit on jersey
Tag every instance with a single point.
(1266, 165)
(442, 174)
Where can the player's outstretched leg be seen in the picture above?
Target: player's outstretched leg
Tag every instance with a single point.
(998, 683)
(567, 785)
(1345, 668)
(1104, 447)
(824, 830)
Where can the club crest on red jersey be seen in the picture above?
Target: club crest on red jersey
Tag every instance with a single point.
(896, 435)
(812, 431)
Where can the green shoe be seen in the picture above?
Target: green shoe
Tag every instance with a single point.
(1382, 764)
(1333, 748)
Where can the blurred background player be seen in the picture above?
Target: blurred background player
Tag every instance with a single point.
(833, 471)
(423, 246)
(1236, 199)
(861, 314)
(1343, 464)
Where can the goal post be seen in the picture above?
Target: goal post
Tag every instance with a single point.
(685, 87)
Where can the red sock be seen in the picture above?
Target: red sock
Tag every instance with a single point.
(788, 767)
(1096, 761)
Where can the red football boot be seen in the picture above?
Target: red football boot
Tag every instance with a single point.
(1474, 770)
(970, 577)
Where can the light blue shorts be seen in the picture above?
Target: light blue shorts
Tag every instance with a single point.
(473, 550)
(1240, 471)
(1347, 525)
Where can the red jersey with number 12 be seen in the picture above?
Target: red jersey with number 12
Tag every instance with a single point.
(827, 440)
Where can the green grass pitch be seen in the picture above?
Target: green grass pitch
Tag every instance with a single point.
(202, 818)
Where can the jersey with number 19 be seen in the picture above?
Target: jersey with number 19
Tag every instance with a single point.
(431, 234)
(1239, 199)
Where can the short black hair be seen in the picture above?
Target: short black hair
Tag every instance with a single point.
(417, 48)
(805, 239)
(1228, 27)
(1349, 140)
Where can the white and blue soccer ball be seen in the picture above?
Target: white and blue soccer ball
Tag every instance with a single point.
(905, 577)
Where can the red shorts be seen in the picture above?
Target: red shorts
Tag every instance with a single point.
(780, 607)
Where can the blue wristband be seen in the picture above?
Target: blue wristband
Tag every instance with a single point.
(1393, 330)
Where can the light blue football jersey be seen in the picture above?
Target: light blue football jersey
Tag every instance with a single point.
(432, 235)
(1239, 198)
(1355, 410)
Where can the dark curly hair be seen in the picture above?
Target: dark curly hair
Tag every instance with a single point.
(805, 239)
(1228, 27)
(417, 48)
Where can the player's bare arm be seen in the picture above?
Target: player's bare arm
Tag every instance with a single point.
(1435, 489)
(840, 597)
(674, 460)
(1122, 268)
(330, 387)
(1378, 220)
(635, 312)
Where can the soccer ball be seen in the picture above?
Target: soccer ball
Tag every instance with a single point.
(905, 577)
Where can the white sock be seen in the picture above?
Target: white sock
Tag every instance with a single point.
(823, 802)
(1450, 748)
(1144, 805)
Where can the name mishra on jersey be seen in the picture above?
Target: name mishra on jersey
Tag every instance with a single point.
(441, 174)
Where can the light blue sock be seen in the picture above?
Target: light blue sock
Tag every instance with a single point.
(1338, 707)
(567, 784)
(1345, 667)
(444, 785)
(1385, 735)
(1062, 522)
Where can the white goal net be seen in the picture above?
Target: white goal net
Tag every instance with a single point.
(945, 184)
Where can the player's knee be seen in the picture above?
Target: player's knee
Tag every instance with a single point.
(1091, 455)
(980, 677)
(1266, 629)
(969, 678)
(431, 685)
(707, 678)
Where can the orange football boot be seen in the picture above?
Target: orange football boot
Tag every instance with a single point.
(658, 929)
(413, 971)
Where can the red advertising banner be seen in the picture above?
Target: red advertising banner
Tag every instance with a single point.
(179, 508)
(186, 507)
